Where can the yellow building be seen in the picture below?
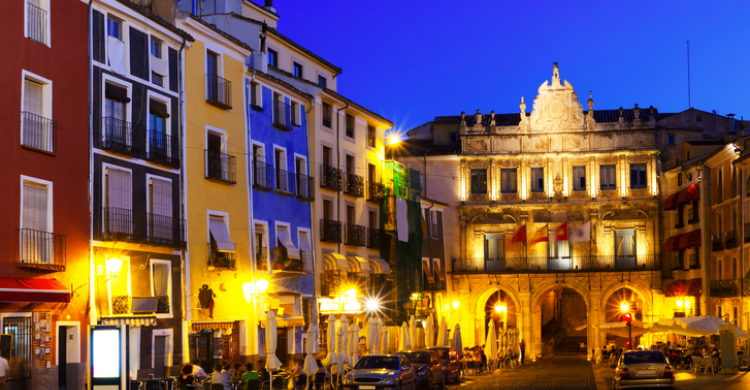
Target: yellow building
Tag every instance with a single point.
(218, 262)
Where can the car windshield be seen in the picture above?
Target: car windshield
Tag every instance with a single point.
(444, 353)
(644, 357)
(386, 362)
(418, 357)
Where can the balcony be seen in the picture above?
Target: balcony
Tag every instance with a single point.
(42, 250)
(330, 177)
(160, 149)
(374, 238)
(717, 244)
(375, 192)
(284, 264)
(117, 136)
(38, 132)
(330, 284)
(220, 166)
(355, 235)
(36, 23)
(730, 240)
(117, 224)
(436, 285)
(330, 231)
(262, 176)
(286, 182)
(222, 260)
(305, 190)
(725, 288)
(218, 91)
(261, 259)
(281, 115)
(544, 264)
(354, 185)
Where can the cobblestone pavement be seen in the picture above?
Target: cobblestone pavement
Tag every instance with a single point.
(566, 373)
(685, 380)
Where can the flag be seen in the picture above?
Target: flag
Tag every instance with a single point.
(542, 235)
(581, 233)
(561, 233)
(520, 236)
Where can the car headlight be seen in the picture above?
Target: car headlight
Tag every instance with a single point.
(348, 379)
(388, 380)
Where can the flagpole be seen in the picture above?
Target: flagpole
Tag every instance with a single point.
(525, 245)
(590, 239)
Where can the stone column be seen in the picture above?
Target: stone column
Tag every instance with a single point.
(706, 221)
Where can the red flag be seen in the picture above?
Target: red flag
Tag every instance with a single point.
(561, 233)
(520, 236)
(542, 235)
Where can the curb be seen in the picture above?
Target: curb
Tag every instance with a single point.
(599, 381)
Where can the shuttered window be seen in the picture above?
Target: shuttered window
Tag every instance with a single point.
(35, 206)
(33, 95)
(119, 200)
(160, 218)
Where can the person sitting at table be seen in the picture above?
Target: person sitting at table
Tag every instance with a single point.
(238, 371)
(226, 369)
(249, 375)
(197, 370)
(262, 372)
(219, 378)
(186, 375)
(297, 372)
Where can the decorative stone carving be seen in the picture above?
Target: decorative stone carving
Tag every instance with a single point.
(555, 142)
(523, 125)
(590, 122)
(476, 145)
(556, 107)
(507, 144)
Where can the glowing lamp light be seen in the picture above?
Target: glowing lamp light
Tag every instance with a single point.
(372, 304)
(393, 140)
(351, 293)
(500, 308)
(679, 303)
(261, 285)
(455, 304)
(687, 304)
(114, 265)
(624, 307)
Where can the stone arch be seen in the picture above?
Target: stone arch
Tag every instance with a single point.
(479, 300)
(538, 292)
(640, 289)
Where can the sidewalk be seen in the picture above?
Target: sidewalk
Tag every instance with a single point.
(684, 380)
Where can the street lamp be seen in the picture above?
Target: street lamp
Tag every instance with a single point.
(628, 318)
(455, 304)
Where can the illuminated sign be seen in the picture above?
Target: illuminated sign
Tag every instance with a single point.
(105, 359)
(352, 306)
(328, 307)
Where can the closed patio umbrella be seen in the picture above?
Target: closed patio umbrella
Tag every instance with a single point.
(413, 333)
(456, 342)
(369, 330)
(272, 362)
(403, 342)
(332, 359)
(492, 342)
(341, 343)
(375, 335)
(442, 336)
(384, 342)
(310, 365)
(354, 344)
(429, 332)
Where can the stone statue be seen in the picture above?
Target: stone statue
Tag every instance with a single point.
(263, 37)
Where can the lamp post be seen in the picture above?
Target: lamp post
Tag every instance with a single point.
(628, 318)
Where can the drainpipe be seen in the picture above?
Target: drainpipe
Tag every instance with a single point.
(338, 165)
(92, 276)
(185, 263)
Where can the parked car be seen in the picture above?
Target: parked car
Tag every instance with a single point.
(451, 365)
(643, 369)
(381, 371)
(427, 366)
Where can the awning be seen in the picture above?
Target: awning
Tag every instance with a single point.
(131, 320)
(439, 271)
(690, 240)
(220, 233)
(333, 261)
(680, 198)
(671, 244)
(379, 266)
(116, 92)
(358, 265)
(158, 108)
(671, 202)
(684, 288)
(427, 272)
(33, 290)
(212, 325)
(286, 322)
(285, 239)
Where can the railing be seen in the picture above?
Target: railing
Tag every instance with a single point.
(286, 181)
(730, 240)
(220, 166)
(330, 284)
(160, 148)
(117, 224)
(117, 136)
(374, 238)
(261, 259)
(285, 263)
(222, 260)
(330, 231)
(355, 235)
(330, 177)
(725, 288)
(305, 185)
(36, 25)
(218, 91)
(717, 244)
(544, 264)
(281, 115)
(354, 185)
(262, 175)
(38, 132)
(375, 192)
(42, 249)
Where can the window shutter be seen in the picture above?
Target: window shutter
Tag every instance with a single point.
(35, 206)
(32, 98)
(161, 197)
(161, 280)
(119, 201)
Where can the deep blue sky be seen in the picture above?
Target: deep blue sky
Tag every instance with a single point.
(411, 60)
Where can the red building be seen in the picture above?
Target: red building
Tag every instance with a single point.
(44, 212)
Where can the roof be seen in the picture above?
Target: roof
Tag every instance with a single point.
(157, 19)
(600, 116)
(418, 148)
(215, 29)
(437, 202)
(284, 83)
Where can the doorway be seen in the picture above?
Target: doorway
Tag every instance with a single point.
(160, 347)
(281, 345)
(68, 352)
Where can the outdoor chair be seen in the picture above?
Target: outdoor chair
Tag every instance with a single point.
(252, 385)
(155, 384)
(136, 385)
(319, 381)
(301, 382)
(182, 386)
(217, 386)
(471, 366)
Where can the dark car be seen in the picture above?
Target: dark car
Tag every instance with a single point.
(451, 365)
(373, 372)
(643, 369)
(427, 366)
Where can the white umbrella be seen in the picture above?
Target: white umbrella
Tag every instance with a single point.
(384, 343)
(369, 330)
(457, 343)
(331, 359)
(375, 335)
(492, 341)
(272, 362)
(316, 336)
(413, 333)
(310, 365)
(354, 344)
(703, 325)
(429, 332)
(342, 344)
(442, 336)
(403, 342)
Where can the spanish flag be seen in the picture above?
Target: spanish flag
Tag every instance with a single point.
(542, 235)
(561, 233)
(520, 236)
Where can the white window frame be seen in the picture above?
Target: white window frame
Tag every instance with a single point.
(125, 268)
(46, 91)
(46, 6)
(286, 225)
(354, 158)
(165, 57)
(213, 213)
(124, 28)
(308, 232)
(219, 66)
(50, 202)
(168, 121)
(77, 345)
(304, 159)
(434, 224)
(105, 167)
(258, 93)
(264, 226)
(223, 135)
(285, 163)
(168, 263)
(295, 112)
(169, 345)
(128, 106)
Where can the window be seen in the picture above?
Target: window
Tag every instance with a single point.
(719, 271)
(625, 249)
(679, 222)
(37, 20)
(478, 181)
(327, 114)
(222, 252)
(372, 173)
(720, 187)
(508, 181)
(120, 290)
(691, 214)
(670, 139)
(349, 126)
(160, 222)
(351, 217)
(372, 218)
(36, 223)
(579, 178)
(734, 268)
(327, 209)
(158, 137)
(607, 177)
(322, 81)
(371, 136)
(220, 166)
(537, 179)
(159, 65)
(295, 113)
(638, 176)
(350, 168)
(327, 156)
(273, 58)
(434, 224)
(116, 52)
(20, 330)
(679, 179)
(114, 28)
(38, 130)
(297, 70)
(687, 155)
(118, 201)
(161, 285)
(454, 137)
(282, 181)
(494, 248)
(261, 249)
(557, 249)
(254, 96)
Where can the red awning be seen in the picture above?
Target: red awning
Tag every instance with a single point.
(690, 240)
(683, 288)
(671, 202)
(33, 290)
(671, 244)
(681, 198)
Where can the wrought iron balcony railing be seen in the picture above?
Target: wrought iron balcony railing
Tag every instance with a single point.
(330, 284)
(43, 250)
(730, 240)
(160, 149)
(545, 264)
(717, 244)
(374, 237)
(305, 190)
(354, 185)
(222, 260)
(118, 224)
(330, 177)
(117, 136)
(287, 264)
(36, 23)
(218, 91)
(356, 235)
(286, 181)
(375, 192)
(262, 175)
(220, 166)
(281, 115)
(38, 132)
(330, 231)
(725, 288)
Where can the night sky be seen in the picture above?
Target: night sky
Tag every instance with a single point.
(411, 60)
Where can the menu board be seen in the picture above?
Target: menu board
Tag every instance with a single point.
(41, 342)
(5, 342)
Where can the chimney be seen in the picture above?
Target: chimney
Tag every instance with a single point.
(269, 6)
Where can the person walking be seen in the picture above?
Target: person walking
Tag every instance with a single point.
(522, 346)
(550, 351)
(4, 372)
